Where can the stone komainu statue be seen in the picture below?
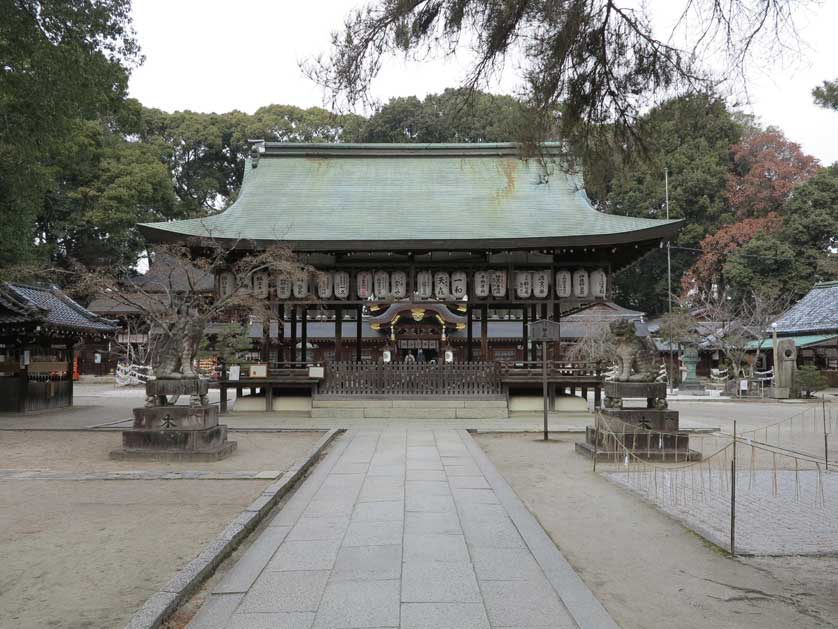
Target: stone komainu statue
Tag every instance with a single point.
(179, 348)
(637, 356)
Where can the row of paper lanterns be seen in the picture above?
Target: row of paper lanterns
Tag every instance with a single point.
(429, 284)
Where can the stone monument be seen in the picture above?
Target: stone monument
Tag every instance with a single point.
(785, 364)
(650, 431)
(691, 385)
(163, 431)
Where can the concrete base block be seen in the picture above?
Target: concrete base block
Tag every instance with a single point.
(429, 403)
(380, 413)
(213, 454)
(292, 403)
(352, 403)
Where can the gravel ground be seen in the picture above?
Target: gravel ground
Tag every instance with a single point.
(648, 570)
(88, 553)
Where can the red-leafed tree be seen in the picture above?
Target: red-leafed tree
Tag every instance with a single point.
(766, 168)
(718, 246)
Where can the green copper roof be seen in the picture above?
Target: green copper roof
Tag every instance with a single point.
(377, 196)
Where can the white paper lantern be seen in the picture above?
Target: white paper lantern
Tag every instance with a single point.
(341, 282)
(260, 285)
(424, 284)
(498, 281)
(283, 286)
(442, 285)
(226, 284)
(599, 283)
(398, 284)
(523, 284)
(541, 284)
(381, 284)
(564, 287)
(481, 283)
(459, 284)
(581, 286)
(364, 284)
(324, 285)
(301, 289)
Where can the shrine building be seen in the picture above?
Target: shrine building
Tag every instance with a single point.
(426, 254)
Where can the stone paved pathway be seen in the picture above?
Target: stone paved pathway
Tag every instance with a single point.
(402, 529)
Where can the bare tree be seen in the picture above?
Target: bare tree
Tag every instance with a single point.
(175, 302)
(590, 66)
(596, 345)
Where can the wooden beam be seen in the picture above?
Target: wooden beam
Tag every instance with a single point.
(358, 332)
(304, 341)
(293, 357)
(469, 334)
(526, 334)
(484, 332)
(338, 332)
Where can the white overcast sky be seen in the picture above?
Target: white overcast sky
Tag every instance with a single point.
(220, 55)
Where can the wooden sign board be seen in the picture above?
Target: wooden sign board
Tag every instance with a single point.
(544, 330)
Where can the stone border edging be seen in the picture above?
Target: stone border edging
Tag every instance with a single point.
(583, 606)
(163, 603)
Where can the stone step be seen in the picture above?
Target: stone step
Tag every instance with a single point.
(405, 413)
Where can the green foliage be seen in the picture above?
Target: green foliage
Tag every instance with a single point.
(691, 138)
(453, 116)
(790, 260)
(826, 94)
(61, 62)
(808, 379)
(230, 341)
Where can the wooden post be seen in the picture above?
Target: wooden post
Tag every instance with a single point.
(269, 397)
(338, 332)
(526, 335)
(825, 435)
(304, 339)
(534, 317)
(223, 394)
(469, 333)
(358, 333)
(544, 383)
(484, 332)
(71, 351)
(293, 357)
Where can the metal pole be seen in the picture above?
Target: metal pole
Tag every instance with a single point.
(669, 280)
(544, 382)
(733, 496)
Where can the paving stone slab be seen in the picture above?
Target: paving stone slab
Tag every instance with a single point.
(374, 533)
(475, 496)
(504, 564)
(516, 603)
(278, 620)
(430, 504)
(350, 604)
(250, 565)
(427, 488)
(469, 482)
(422, 523)
(439, 582)
(491, 532)
(367, 563)
(381, 489)
(216, 612)
(379, 511)
(444, 616)
(319, 528)
(435, 547)
(305, 555)
(426, 475)
(285, 592)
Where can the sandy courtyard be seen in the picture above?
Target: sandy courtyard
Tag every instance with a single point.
(648, 570)
(89, 553)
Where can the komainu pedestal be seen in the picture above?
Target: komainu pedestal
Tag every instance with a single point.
(163, 431)
(651, 432)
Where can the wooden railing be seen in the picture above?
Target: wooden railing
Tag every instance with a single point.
(556, 370)
(465, 380)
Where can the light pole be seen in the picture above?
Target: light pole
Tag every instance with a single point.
(774, 354)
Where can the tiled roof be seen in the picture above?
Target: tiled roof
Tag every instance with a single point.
(817, 311)
(47, 305)
(385, 196)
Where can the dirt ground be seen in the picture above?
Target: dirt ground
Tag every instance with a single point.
(78, 554)
(648, 570)
(88, 452)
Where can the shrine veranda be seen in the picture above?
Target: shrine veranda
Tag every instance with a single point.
(418, 246)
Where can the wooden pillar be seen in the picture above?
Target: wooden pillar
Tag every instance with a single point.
(525, 337)
(293, 357)
(71, 352)
(223, 394)
(359, 322)
(598, 396)
(557, 317)
(338, 332)
(469, 334)
(269, 398)
(534, 316)
(304, 340)
(484, 332)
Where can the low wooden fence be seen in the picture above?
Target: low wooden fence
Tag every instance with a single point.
(463, 380)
